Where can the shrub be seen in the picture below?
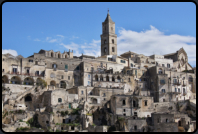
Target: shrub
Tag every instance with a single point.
(89, 114)
(20, 120)
(121, 118)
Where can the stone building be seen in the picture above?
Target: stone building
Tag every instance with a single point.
(99, 94)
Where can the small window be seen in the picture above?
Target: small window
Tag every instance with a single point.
(68, 77)
(81, 92)
(175, 89)
(145, 103)
(62, 77)
(163, 91)
(105, 49)
(30, 60)
(162, 81)
(178, 89)
(167, 120)
(135, 127)
(36, 62)
(122, 61)
(2, 70)
(105, 41)
(104, 94)
(59, 99)
(89, 76)
(66, 68)
(113, 41)
(162, 65)
(123, 102)
(168, 65)
(3, 59)
(112, 49)
(164, 100)
(131, 65)
(124, 110)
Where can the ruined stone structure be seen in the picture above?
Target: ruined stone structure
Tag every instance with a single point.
(129, 93)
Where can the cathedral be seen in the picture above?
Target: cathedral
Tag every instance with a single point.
(128, 93)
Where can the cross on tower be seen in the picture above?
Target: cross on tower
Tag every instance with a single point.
(108, 10)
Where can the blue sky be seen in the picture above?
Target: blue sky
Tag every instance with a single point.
(141, 27)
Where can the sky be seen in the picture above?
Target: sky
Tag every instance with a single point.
(142, 27)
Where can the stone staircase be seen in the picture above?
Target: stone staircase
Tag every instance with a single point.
(24, 93)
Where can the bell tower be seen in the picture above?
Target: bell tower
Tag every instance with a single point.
(108, 37)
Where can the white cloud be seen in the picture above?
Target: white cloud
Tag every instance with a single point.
(60, 36)
(47, 38)
(10, 51)
(37, 39)
(74, 37)
(53, 40)
(92, 49)
(154, 41)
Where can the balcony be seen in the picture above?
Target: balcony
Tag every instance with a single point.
(184, 94)
(177, 83)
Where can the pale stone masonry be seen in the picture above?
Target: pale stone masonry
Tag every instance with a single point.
(129, 93)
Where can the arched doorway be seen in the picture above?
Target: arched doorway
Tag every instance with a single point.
(96, 77)
(107, 78)
(52, 54)
(16, 80)
(94, 101)
(28, 98)
(119, 79)
(38, 82)
(62, 84)
(101, 78)
(28, 102)
(53, 83)
(113, 79)
(28, 81)
(4, 79)
(179, 123)
(58, 55)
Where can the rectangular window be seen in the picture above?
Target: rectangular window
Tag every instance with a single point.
(14, 70)
(162, 81)
(30, 60)
(68, 77)
(162, 65)
(69, 105)
(62, 77)
(3, 70)
(178, 89)
(122, 61)
(175, 89)
(66, 68)
(112, 49)
(54, 66)
(89, 76)
(174, 80)
(163, 91)
(28, 71)
(168, 65)
(131, 65)
(89, 83)
(36, 62)
(81, 92)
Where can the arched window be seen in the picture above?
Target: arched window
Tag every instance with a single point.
(113, 49)
(65, 56)
(160, 71)
(113, 79)
(58, 55)
(119, 79)
(101, 78)
(105, 41)
(59, 99)
(111, 29)
(105, 49)
(52, 54)
(113, 41)
(28, 98)
(96, 77)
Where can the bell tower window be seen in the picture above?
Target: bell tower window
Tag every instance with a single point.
(113, 41)
(105, 41)
(112, 49)
(105, 49)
